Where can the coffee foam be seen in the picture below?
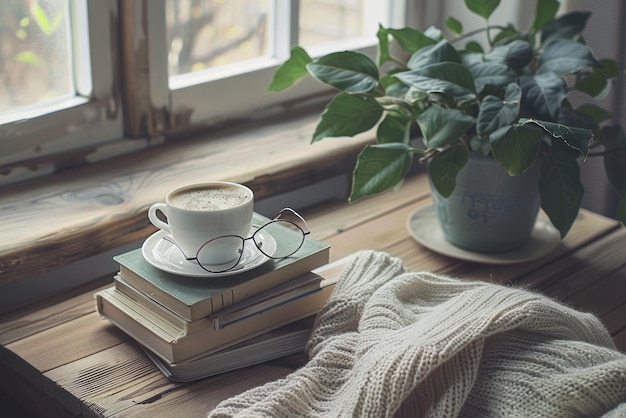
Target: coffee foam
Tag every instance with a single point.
(216, 198)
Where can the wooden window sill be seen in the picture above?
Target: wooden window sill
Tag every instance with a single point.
(104, 372)
(72, 215)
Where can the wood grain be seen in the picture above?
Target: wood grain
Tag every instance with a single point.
(103, 206)
(78, 364)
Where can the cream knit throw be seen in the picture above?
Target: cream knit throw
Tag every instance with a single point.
(389, 342)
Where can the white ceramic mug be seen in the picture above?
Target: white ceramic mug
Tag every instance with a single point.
(197, 213)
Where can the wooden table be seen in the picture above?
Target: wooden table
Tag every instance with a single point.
(62, 359)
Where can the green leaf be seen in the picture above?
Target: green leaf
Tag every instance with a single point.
(380, 168)
(543, 94)
(434, 54)
(434, 33)
(449, 78)
(473, 46)
(449, 71)
(469, 59)
(433, 86)
(444, 167)
(347, 71)
(394, 128)
(495, 113)
(383, 45)
(291, 71)
(490, 74)
(596, 112)
(516, 147)
(508, 33)
(567, 26)
(545, 11)
(561, 190)
(43, 21)
(565, 57)
(516, 54)
(411, 39)
(348, 115)
(454, 25)
(575, 138)
(606, 68)
(443, 127)
(28, 57)
(480, 145)
(594, 85)
(482, 8)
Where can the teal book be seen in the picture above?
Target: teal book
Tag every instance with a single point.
(194, 298)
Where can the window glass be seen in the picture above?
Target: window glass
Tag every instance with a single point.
(323, 21)
(35, 53)
(204, 34)
(183, 62)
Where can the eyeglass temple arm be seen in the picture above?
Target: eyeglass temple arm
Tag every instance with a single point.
(293, 212)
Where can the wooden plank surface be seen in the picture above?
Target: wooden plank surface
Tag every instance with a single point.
(83, 365)
(24, 322)
(103, 206)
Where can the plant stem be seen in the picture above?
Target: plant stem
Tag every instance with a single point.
(427, 154)
(476, 32)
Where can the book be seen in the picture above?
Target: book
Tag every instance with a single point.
(268, 299)
(286, 340)
(196, 298)
(165, 341)
(175, 322)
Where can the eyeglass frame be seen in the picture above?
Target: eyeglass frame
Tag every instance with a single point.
(276, 218)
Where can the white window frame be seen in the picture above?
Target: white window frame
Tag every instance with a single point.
(41, 139)
(210, 94)
(125, 102)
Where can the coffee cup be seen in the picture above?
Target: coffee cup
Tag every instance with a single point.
(198, 213)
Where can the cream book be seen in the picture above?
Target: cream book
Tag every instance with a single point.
(165, 341)
(286, 340)
(268, 299)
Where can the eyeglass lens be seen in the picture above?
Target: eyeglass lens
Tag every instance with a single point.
(219, 245)
(288, 235)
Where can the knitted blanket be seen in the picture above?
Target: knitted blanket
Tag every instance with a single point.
(394, 343)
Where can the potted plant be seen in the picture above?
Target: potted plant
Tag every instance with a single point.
(504, 104)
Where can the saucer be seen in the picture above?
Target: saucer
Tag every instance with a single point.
(423, 226)
(165, 256)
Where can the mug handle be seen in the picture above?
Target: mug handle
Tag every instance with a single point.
(152, 215)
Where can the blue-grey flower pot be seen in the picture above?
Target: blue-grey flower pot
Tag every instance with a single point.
(489, 210)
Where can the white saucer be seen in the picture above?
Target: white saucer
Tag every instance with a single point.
(424, 227)
(165, 256)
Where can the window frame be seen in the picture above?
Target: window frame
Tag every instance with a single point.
(126, 104)
(187, 106)
(42, 140)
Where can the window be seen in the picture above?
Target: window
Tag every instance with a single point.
(57, 96)
(83, 80)
(221, 55)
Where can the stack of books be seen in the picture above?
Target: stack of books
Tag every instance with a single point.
(194, 327)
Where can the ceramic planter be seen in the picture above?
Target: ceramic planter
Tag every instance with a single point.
(489, 210)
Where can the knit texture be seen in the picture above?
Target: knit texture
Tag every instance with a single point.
(390, 342)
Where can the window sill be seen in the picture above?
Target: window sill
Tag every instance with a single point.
(70, 216)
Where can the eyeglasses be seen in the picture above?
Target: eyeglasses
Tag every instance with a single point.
(287, 245)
